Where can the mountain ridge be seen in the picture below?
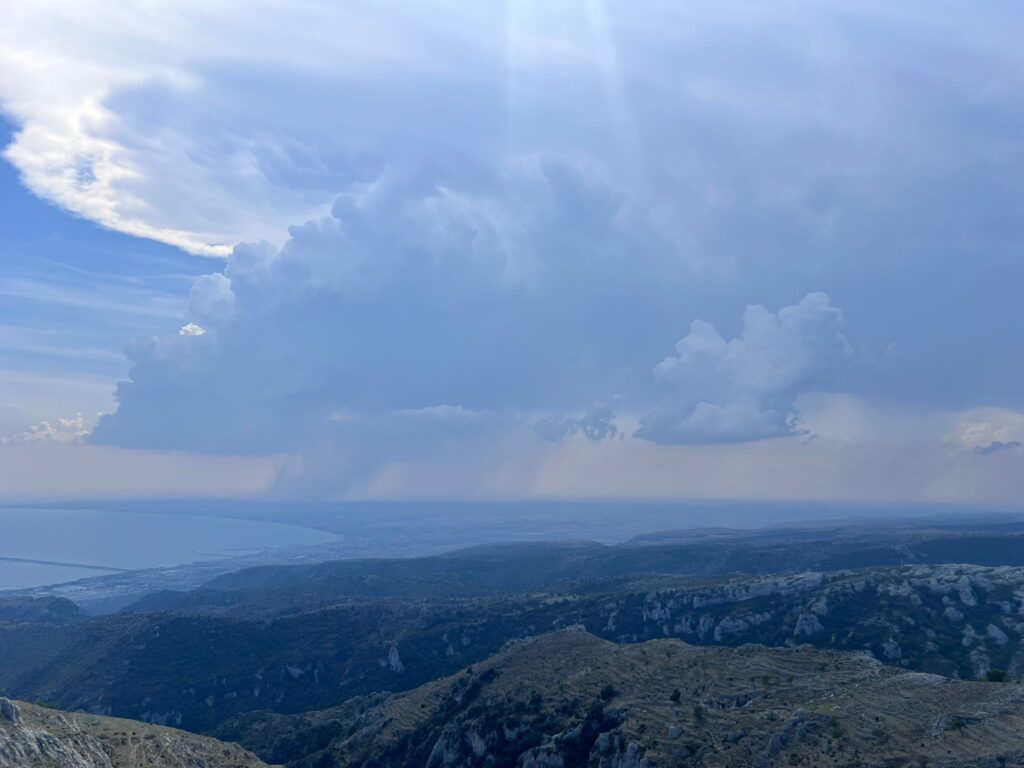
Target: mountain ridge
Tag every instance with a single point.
(570, 698)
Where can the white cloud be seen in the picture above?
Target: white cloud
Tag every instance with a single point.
(204, 123)
(211, 301)
(191, 329)
(746, 388)
(412, 294)
(988, 430)
(64, 430)
(969, 434)
(419, 321)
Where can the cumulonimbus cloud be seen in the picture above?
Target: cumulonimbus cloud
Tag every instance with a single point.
(450, 254)
(417, 317)
(409, 296)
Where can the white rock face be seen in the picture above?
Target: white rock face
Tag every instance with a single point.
(730, 626)
(540, 757)
(613, 751)
(997, 634)
(21, 745)
(966, 593)
(807, 624)
(10, 711)
(395, 661)
(891, 649)
(34, 737)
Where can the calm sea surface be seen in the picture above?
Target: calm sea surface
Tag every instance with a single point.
(60, 542)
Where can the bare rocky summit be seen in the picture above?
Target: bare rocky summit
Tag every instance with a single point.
(37, 737)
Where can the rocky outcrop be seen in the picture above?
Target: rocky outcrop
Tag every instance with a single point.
(898, 614)
(612, 750)
(35, 737)
(10, 711)
(807, 624)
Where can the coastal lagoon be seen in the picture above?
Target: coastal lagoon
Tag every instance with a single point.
(49, 546)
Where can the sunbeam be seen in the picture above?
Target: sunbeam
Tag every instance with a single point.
(617, 102)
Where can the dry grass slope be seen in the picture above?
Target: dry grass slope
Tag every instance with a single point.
(571, 699)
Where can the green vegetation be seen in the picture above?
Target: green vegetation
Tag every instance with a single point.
(235, 662)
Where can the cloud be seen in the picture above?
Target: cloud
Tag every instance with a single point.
(746, 388)
(997, 445)
(211, 301)
(63, 431)
(975, 432)
(595, 424)
(410, 298)
(423, 207)
(418, 319)
(205, 124)
(191, 329)
(988, 431)
(863, 470)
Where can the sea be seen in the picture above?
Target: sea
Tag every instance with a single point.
(41, 546)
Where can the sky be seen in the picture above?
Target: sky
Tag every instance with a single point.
(574, 249)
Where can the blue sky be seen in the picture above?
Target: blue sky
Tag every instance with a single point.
(575, 249)
(73, 294)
